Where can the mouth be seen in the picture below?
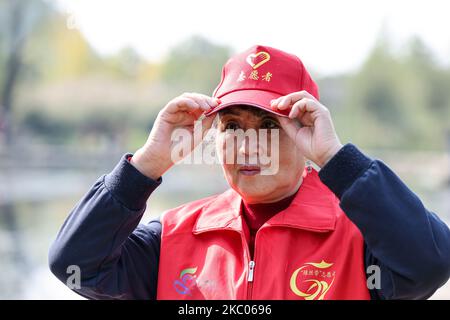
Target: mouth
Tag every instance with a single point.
(249, 170)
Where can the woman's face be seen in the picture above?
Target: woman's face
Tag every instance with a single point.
(245, 150)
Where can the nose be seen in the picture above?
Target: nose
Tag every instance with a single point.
(249, 144)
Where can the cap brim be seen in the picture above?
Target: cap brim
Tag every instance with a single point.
(255, 98)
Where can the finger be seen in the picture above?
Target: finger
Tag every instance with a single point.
(306, 94)
(286, 101)
(207, 122)
(290, 126)
(304, 105)
(279, 102)
(306, 119)
(296, 108)
(212, 102)
(194, 97)
(203, 123)
(183, 104)
(203, 100)
(274, 102)
(191, 107)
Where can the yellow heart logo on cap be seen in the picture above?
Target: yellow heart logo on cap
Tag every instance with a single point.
(256, 60)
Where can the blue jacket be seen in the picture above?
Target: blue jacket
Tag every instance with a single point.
(118, 257)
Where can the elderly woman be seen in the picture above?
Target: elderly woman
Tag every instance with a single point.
(352, 230)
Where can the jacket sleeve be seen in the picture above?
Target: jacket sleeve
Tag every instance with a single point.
(410, 244)
(117, 257)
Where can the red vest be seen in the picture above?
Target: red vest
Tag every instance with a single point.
(309, 251)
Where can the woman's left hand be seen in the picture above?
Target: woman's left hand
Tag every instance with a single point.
(310, 126)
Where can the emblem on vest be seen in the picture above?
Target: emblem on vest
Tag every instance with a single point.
(312, 280)
(186, 281)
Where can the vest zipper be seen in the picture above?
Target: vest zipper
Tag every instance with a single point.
(251, 267)
(251, 264)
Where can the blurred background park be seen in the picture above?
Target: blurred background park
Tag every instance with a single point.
(82, 81)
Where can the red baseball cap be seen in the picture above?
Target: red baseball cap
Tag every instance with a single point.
(260, 74)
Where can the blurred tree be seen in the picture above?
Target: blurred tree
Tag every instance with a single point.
(376, 90)
(390, 101)
(372, 105)
(397, 101)
(49, 129)
(431, 79)
(18, 19)
(126, 64)
(195, 65)
(59, 53)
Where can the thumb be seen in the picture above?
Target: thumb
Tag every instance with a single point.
(207, 122)
(290, 126)
(203, 123)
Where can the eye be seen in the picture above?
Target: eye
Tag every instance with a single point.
(231, 125)
(269, 124)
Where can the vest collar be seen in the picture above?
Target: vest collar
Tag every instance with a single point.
(314, 208)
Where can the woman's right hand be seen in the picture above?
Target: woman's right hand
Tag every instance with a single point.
(154, 157)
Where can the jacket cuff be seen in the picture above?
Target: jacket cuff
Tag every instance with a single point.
(343, 169)
(129, 186)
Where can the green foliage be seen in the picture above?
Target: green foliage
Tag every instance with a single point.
(47, 127)
(195, 65)
(55, 53)
(67, 90)
(397, 101)
(125, 64)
